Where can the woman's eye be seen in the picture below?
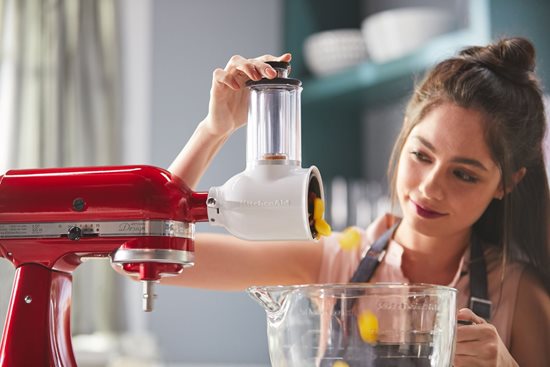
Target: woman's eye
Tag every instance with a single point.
(465, 176)
(419, 156)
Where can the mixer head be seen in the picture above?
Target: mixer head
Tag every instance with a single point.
(141, 217)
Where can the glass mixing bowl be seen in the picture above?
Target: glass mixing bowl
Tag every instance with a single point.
(359, 325)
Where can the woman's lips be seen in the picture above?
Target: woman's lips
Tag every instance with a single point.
(425, 212)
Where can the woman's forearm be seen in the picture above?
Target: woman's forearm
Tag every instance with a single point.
(196, 155)
(227, 263)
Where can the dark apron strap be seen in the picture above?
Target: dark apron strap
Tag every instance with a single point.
(479, 295)
(373, 257)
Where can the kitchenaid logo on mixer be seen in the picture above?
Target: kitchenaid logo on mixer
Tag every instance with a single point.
(277, 203)
(407, 306)
(131, 227)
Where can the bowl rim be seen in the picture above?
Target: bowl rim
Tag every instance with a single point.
(307, 288)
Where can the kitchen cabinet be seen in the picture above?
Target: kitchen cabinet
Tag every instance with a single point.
(333, 106)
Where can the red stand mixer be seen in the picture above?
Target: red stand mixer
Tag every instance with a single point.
(142, 218)
(53, 219)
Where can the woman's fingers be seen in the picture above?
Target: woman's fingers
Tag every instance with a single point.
(284, 57)
(478, 330)
(244, 70)
(485, 353)
(249, 71)
(239, 70)
(468, 315)
(467, 333)
(478, 344)
(466, 349)
(224, 78)
(227, 110)
(467, 361)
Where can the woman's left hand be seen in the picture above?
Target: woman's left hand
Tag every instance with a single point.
(479, 344)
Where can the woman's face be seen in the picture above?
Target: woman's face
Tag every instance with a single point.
(446, 177)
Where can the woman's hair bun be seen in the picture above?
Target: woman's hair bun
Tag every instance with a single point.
(510, 58)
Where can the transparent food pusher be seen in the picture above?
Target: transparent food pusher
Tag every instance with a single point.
(273, 198)
(274, 120)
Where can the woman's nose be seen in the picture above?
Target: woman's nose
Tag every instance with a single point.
(431, 185)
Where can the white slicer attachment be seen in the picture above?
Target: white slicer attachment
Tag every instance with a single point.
(272, 199)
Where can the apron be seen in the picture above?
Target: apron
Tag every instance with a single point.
(345, 342)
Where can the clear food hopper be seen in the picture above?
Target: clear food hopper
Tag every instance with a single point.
(359, 325)
(272, 199)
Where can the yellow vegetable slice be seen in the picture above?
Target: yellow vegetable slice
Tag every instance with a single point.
(368, 327)
(318, 208)
(350, 239)
(322, 227)
(340, 364)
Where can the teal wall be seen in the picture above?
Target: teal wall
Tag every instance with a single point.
(526, 18)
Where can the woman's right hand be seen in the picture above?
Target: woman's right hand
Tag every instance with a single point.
(228, 106)
(227, 112)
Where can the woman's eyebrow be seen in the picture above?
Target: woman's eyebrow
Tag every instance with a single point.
(463, 160)
(424, 142)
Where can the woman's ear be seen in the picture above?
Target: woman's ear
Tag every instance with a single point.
(516, 178)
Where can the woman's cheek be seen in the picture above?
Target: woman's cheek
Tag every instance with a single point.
(404, 182)
(407, 175)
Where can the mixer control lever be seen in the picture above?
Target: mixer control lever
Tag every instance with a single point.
(74, 233)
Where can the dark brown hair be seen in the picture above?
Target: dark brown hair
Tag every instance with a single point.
(499, 81)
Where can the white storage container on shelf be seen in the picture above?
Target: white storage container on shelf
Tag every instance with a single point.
(393, 33)
(331, 51)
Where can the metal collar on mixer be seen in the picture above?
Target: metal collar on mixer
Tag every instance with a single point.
(162, 228)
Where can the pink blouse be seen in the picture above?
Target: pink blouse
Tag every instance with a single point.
(338, 266)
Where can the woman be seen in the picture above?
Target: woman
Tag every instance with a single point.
(468, 172)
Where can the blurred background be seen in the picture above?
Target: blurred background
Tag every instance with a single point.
(94, 82)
